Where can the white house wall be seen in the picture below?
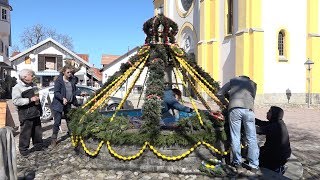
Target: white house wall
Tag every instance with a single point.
(5, 40)
(19, 63)
(109, 71)
(192, 17)
(291, 16)
(227, 51)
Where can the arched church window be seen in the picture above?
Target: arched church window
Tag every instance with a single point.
(229, 16)
(281, 43)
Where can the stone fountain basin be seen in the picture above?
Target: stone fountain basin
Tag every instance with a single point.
(148, 161)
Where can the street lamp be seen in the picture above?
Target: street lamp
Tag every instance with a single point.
(308, 64)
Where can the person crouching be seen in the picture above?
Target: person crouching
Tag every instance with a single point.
(276, 150)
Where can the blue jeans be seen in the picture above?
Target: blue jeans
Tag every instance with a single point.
(245, 116)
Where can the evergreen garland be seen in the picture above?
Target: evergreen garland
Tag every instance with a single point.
(97, 126)
(150, 28)
(151, 108)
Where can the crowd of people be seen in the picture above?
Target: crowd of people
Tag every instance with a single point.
(240, 92)
(26, 98)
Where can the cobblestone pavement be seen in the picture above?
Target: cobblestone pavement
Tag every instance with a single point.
(63, 163)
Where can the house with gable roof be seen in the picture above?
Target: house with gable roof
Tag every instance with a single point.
(46, 59)
(112, 63)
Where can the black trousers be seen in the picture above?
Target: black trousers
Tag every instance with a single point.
(30, 128)
(271, 160)
(57, 116)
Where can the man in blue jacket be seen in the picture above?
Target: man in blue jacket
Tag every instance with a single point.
(171, 106)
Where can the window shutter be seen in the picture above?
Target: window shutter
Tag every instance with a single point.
(1, 46)
(59, 62)
(41, 62)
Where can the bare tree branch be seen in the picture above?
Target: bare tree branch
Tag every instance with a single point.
(37, 33)
(15, 48)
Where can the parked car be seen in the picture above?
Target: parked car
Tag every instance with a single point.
(83, 94)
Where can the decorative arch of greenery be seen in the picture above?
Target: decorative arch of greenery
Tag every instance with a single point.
(120, 131)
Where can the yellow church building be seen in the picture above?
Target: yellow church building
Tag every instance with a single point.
(268, 40)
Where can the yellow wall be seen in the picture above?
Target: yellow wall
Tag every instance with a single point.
(208, 53)
(313, 44)
(201, 49)
(249, 42)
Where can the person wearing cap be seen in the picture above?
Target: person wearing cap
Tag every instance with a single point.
(276, 150)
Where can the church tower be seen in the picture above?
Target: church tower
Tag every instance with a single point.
(5, 35)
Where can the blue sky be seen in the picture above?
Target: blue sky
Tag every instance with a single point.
(96, 27)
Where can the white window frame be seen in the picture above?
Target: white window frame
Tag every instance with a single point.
(55, 64)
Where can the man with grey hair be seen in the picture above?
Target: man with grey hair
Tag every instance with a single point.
(26, 99)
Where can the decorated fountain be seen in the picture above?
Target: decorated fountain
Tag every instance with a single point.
(134, 138)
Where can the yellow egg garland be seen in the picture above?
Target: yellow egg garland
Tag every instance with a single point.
(192, 102)
(157, 44)
(144, 50)
(75, 139)
(193, 73)
(130, 88)
(177, 51)
(121, 80)
(144, 147)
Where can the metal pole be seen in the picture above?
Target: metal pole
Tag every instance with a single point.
(309, 88)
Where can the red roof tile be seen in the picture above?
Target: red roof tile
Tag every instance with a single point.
(14, 53)
(97, 73)
(108, 58)
(84, 57)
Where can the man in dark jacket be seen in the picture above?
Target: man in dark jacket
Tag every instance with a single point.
(276, 149)
(24, 96)
(64, 97)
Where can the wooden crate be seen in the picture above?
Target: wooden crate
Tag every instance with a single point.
(3, 111)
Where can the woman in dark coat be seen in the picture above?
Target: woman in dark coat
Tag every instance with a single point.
(64, 98)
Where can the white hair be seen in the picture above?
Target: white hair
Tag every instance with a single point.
(24, 72)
